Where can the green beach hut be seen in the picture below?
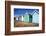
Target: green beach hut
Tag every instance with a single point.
(27, 17)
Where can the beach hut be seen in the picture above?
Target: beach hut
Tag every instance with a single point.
(16, 18)
(27, 17)
(20, 18)
(35, 17)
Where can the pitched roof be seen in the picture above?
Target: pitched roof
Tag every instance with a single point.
(34, 12)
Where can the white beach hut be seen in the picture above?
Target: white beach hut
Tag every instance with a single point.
(16, 18)
(20, 18)
(35, 17)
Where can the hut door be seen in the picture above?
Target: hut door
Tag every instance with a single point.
(30, 18)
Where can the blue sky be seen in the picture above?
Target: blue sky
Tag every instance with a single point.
(21, 11)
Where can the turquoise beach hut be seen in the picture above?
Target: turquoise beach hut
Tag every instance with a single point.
(27, 17)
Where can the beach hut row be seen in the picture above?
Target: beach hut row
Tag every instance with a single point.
(31, 17)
